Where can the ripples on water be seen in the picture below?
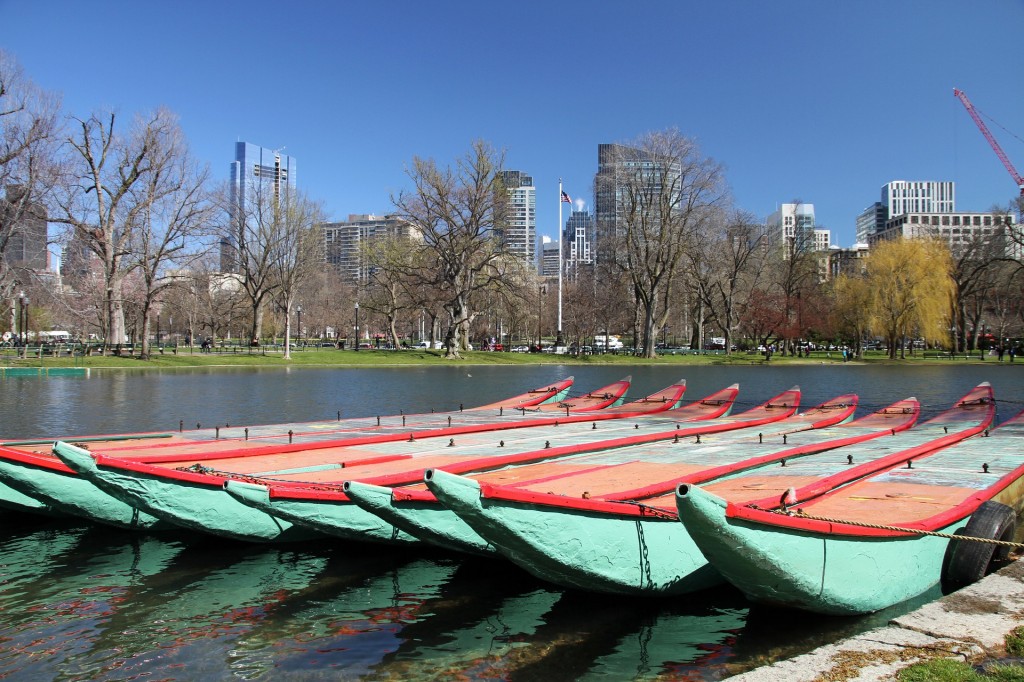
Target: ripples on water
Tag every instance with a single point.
(79, 603)
(90, 604)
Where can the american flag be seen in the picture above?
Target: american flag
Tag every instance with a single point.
(565, 198)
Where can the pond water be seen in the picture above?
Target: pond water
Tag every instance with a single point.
(79, 602)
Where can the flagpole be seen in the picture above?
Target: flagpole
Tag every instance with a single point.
(559, 341)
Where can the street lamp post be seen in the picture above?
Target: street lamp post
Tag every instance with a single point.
(21, 318)
(357, 326)
(298, 332)
(24, 323)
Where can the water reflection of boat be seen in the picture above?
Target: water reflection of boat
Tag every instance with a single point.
(58, 613)
(773, 634)
(29, 551)
(351, 632)
(211, 597)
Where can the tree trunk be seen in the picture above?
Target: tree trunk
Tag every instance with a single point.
(144, 355)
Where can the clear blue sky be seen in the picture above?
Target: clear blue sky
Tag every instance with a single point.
(818, 101)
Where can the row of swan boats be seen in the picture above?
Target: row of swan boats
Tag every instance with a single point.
(817, 509)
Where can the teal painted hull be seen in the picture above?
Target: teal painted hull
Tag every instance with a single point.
(201, 508)
(430, 522)
(828, 574)
(582, 549)
(14, 500)
(75, 495)
(324, 517)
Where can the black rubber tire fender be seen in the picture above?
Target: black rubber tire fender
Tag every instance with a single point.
(967, 562)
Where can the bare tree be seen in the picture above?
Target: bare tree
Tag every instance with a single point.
(296, 251)
(177, 212)
(457, 210)
(794, 274)
(668, 192)
(391, 291)
(106, 195)
(29, 128)
(254, 230)
(732, 248)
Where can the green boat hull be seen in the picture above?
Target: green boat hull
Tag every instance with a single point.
(193, 506)
(14, 500)
(324, 517)
(74, 495)
(430, 522)
(582, 549)
(827, 574)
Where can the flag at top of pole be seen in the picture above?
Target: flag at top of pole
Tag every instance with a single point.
(563, 199)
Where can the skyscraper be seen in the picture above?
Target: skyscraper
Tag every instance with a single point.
(579, 240)
(24, 223)
(901, 197)
(792, 227)
(256, 173)
(345, 242)
(519, 233)
(627, 174)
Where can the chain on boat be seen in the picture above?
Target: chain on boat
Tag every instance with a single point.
(900, 529)
(261, 480)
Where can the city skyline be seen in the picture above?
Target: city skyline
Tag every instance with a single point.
(817, 102)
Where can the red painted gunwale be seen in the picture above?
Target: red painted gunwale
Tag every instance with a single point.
(621, 504)
(151, 454)
(697, 414)
(834, 412)
(716, 405)
(41, 460)
(769, 514)
(981, 395)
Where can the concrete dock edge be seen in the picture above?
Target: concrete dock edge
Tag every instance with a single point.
(968, 624)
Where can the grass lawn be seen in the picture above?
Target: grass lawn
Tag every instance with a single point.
(327, 357)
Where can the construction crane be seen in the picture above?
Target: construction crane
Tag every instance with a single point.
(959, 94)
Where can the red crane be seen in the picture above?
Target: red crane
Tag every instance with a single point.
(959, 94)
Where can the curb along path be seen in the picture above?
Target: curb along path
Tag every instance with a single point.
(970, 623)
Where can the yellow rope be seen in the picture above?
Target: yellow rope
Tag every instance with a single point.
(951, 536)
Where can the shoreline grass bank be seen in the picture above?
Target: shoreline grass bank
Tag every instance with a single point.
(318, 357)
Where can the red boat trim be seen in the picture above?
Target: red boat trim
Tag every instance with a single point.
(37, 460)
(826, 484)
(797, 521)
(284, 488)
(493, 492)
(401, 495)
(313, 494)
(490, 462)
(705, 475)
(158, 472)
(567, 474)
(541, 420)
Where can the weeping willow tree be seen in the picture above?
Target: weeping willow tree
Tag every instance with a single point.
(912, 284)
